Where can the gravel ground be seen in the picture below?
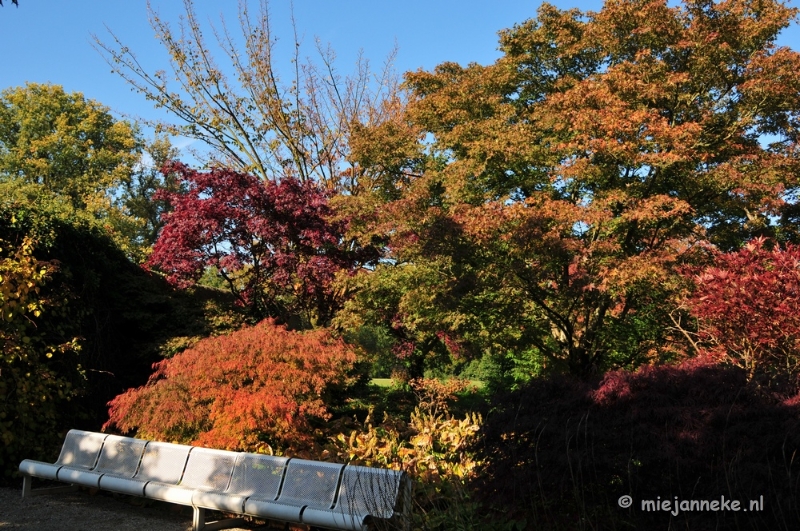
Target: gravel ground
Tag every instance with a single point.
(83, 510)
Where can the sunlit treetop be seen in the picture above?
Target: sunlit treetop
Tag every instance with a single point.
(68, 145)
(563, 184)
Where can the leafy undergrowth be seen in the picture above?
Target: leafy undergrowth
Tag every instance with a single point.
(559, 454)
(431, 443)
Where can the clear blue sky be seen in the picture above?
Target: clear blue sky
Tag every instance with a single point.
(50, 41)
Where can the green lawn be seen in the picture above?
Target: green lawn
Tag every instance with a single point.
(387, 382)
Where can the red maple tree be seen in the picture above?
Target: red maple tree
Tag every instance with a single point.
(275, 244)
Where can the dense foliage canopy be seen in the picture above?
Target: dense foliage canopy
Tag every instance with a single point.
(602, 227)
(66, 146)
(561, 187)
(69, 145)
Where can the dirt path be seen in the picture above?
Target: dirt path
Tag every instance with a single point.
(84, 511)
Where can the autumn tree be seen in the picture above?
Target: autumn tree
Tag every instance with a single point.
(67, 146)
(746, 304)
(566, 182)
(255, 121)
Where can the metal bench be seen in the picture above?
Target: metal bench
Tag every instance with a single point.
(327, 495)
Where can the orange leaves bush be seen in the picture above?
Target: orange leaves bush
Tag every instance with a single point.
(254, 388)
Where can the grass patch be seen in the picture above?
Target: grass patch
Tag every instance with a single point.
(387, 382)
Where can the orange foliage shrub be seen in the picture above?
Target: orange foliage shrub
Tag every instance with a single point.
(244, 391)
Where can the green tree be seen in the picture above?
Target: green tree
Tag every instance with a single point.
(69, 147)
(567, 181)
(138, 194)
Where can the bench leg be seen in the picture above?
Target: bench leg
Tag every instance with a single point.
(199, 521)
(28, 490)
(26, 485)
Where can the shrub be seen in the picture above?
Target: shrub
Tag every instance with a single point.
(559, 453)
(432, 447)
(125, 318)
(748, 308)
(254, 388)
(275, 244)
(39, 371)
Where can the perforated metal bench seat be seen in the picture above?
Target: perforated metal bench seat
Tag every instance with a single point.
(327, 495)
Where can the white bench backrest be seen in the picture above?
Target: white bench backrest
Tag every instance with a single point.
(312, 492)
(81, 449)
(163, 462)
(209, 469)
(257, 476)
(368, 490)
(310, 483)
(120, 455)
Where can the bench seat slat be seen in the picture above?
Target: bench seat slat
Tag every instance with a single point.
(85, 478)
(161, 462)
(219, 501)
(79, 451)
(119, 457)
(272, 509)
(168, 493)
(254, 475)
(39, 469)
(131, 486)
(206, 470)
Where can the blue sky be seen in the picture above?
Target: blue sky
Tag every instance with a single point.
(50, 41)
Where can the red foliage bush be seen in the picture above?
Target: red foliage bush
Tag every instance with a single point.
(748, 307)
(260, 385)
(560, 452)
